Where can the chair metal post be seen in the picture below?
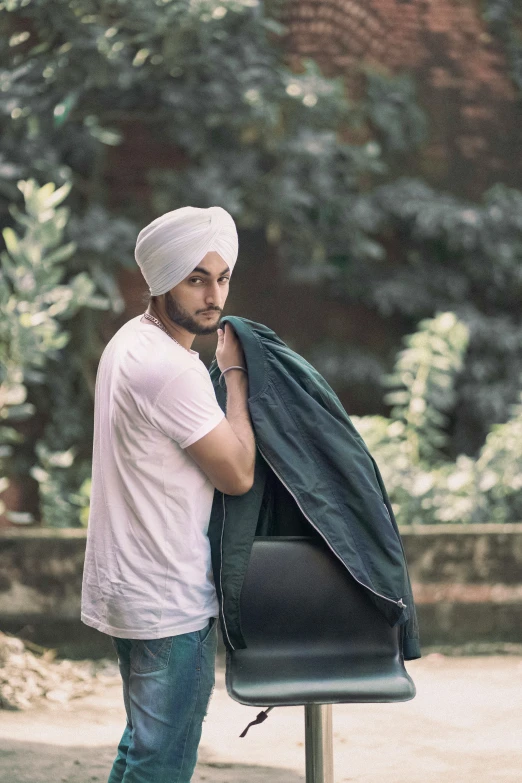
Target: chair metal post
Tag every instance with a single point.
(318, 743)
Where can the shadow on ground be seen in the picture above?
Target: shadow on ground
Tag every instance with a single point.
(33, 762)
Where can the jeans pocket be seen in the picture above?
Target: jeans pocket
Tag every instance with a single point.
(207, 630)
(150, 655)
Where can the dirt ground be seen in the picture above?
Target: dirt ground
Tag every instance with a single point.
(464, 726)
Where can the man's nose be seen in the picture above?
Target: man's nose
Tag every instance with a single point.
(213, 296)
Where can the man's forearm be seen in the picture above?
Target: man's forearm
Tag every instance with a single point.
(238, 416)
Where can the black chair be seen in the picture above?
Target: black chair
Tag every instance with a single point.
(313, 638)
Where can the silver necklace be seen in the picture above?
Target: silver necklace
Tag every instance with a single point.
(154, 320)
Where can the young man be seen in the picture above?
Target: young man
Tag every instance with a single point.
(161, 446)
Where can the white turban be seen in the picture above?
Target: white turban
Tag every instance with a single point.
(169, 248)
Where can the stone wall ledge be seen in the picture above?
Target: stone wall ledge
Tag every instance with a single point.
(467, 582)
(49, 533)
(514, 528)
(435, 592)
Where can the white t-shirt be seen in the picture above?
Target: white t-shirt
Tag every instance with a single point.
(147, 567)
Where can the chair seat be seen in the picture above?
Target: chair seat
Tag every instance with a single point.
(313, 635)
(266, 681)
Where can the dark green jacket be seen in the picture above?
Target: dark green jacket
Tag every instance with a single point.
(312, 467)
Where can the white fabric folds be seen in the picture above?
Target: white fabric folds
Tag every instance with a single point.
(169, 248)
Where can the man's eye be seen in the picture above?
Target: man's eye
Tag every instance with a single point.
(225, 279)
(196, 280)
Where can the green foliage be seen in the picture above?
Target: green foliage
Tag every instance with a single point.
(36, 298)
(206, 83)
(499, 467)
(505, 19)
(13, 407)
(64, 449)
(393, 110)
(424, 484)
(205, 80)
(423, 384)
(456, 256)
(64, 483)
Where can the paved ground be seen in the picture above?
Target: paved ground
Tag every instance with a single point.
(464, 726)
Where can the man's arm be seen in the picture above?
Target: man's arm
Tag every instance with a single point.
(227, 454)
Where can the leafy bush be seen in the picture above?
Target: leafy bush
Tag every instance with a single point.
(500, 472)
(37, 298)
(300, 166)
(207, 82)
(504, 18)
(424, 485)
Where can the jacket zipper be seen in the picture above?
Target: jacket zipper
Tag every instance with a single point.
(221, 575)
(399, 603)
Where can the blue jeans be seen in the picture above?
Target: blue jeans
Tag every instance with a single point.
(167, 684)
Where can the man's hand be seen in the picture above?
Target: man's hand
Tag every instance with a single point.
(229, 352)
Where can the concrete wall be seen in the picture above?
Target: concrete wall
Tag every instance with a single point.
(467, 582)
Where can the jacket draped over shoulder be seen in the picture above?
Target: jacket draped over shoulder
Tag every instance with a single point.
(314, 475)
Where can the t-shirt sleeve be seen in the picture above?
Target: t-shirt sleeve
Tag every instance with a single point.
(186, 409)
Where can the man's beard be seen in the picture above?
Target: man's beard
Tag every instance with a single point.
(181, 317)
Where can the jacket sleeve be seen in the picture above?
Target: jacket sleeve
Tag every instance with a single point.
(410, 639)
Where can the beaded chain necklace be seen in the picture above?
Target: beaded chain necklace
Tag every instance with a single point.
(154, 320)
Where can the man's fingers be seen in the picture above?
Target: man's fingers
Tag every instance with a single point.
(229, 330)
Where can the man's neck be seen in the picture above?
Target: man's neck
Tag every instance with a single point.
(179, 334)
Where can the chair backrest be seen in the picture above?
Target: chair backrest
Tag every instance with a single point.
(312, 633)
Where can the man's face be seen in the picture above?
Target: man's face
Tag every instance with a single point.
(196, 304)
